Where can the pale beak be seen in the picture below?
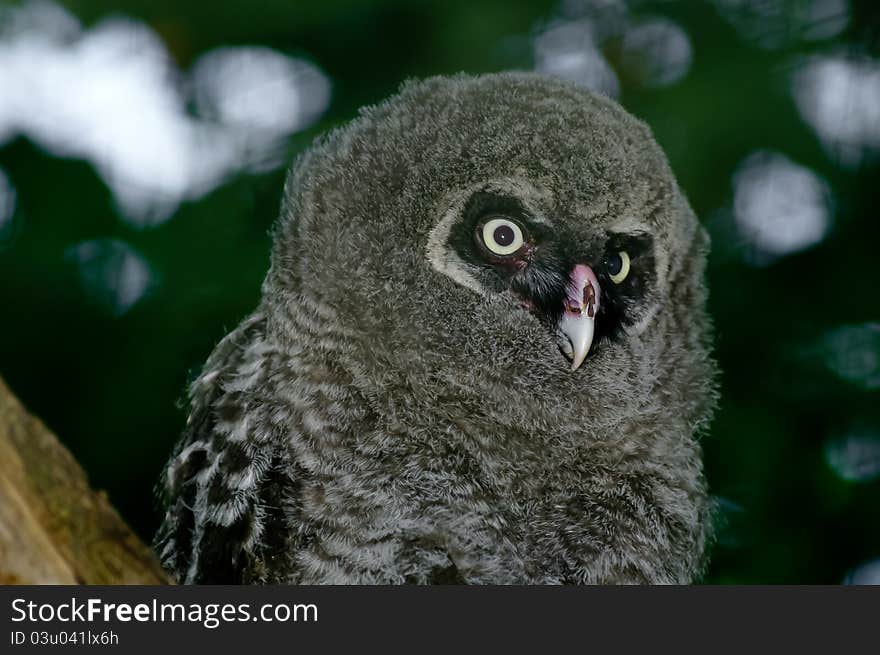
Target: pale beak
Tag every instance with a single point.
(578, 321)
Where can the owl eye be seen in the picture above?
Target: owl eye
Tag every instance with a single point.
(502, 237)
(617, 266)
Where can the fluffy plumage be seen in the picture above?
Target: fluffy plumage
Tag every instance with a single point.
(392, 413)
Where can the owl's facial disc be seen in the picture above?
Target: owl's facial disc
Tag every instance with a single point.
(577, 324)
(586, 286)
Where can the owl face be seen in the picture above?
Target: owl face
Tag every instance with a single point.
(585, 286)
(511, 226)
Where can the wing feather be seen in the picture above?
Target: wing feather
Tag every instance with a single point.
(229, 476)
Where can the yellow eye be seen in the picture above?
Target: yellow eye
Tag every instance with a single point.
(502, 237)
(618, 267)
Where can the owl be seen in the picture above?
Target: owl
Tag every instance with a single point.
(481, 356)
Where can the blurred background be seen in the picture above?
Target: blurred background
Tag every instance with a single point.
(143, 148)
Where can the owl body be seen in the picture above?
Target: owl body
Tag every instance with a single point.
(400, 408)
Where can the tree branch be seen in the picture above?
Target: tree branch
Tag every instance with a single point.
(54, 529)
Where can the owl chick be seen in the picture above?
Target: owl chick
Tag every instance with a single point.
(481, 356)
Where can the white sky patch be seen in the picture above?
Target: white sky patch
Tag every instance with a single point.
(780, 207)
(568, 50)
(113, 275)
(112, 96)
(657, 51)
(840, 98)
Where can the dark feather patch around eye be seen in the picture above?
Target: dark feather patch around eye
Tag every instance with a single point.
(483, 204)
(621, 302)
(464, 237)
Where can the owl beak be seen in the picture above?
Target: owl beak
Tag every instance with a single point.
(578, 322)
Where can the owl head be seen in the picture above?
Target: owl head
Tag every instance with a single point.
(509, 233)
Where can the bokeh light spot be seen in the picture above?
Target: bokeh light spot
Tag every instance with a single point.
(780, 23)
(569, 51)
(855, 457)
(258, 88)
(780, 207)
(113, 275)
(657, 52)
(7, 209)
(864, 574)
(853, 353)
(111, 95)
(840, 98)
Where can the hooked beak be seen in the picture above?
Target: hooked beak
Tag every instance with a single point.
(578, 321)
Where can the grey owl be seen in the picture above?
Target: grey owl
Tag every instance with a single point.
(481, 355)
